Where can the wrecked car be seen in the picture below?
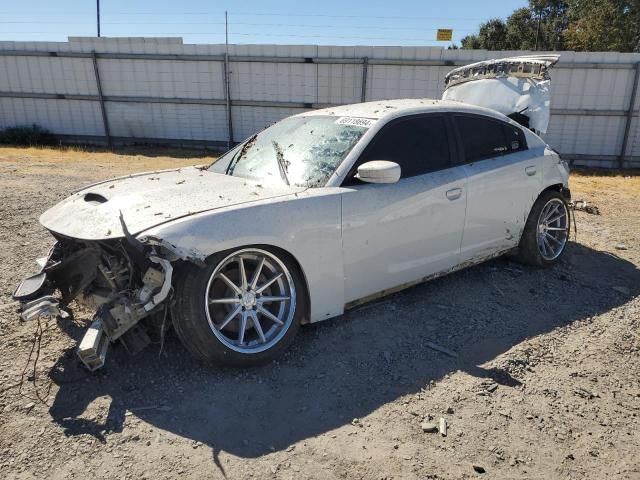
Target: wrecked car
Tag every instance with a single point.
(315, 214)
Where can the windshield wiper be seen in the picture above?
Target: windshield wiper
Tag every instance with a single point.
(282, 163)
(241, 153)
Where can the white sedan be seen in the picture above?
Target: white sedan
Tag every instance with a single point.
(318, 212)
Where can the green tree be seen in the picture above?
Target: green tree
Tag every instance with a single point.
(553, 18)
(537, 27)
(492, 36)
(521, 30)
(604, 25)
(582, 25)
(471, 42)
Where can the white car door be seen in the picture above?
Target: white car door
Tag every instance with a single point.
(398, 233)
(504, 179)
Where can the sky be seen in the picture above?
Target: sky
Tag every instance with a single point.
(324, 22)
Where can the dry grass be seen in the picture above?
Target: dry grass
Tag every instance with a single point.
(617, 185)
(122, 161)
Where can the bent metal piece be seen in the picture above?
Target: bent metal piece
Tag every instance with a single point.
(528, 66)
(47, 306)
(93, 347)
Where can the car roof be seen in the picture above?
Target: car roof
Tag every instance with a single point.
(388, 109)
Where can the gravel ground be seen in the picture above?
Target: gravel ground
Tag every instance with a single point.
(546, 382)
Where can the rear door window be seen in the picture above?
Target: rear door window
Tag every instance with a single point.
(481, 137)
(419, 145)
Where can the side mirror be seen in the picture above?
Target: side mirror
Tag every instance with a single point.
(379, 171)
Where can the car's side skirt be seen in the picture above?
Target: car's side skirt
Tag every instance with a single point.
(469, 263)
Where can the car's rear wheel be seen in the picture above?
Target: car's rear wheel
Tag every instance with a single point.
(547, 230)
(243, 309)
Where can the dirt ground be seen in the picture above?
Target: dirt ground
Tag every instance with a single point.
(546, 382)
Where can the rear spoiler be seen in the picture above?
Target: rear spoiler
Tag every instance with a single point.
(516, 86)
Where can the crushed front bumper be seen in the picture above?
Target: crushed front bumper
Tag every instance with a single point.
(125, 281)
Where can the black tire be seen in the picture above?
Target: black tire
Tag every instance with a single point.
(528, 251)
(192, 326)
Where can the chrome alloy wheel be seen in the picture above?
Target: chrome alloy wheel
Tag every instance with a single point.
(250, 300)
(553, 229)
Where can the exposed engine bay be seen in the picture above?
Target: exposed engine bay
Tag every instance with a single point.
(125, 280)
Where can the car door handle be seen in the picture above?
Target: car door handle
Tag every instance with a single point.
(531, 170)
(454, 193)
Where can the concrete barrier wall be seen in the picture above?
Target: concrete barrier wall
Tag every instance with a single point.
(159, 89)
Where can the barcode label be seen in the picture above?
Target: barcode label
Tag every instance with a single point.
(355, 121)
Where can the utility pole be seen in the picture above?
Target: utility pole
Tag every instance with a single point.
(98, 15)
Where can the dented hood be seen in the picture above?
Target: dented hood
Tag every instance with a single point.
(150, 199)
(516, 87)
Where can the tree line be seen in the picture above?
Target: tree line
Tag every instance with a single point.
(580, 25)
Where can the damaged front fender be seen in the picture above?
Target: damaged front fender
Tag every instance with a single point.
(173, 252)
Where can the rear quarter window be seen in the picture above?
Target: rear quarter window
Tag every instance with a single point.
(481, 137)
(516, 140)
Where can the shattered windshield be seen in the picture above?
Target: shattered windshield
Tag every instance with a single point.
(300, 151)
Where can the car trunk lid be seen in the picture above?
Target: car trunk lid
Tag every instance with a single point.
(518, 87)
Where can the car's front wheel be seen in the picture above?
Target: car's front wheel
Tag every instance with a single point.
(546, 232)
(243, 309)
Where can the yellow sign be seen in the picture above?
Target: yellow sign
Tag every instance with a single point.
(444, 35)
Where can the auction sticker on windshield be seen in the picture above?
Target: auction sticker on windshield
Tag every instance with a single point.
(355, 121)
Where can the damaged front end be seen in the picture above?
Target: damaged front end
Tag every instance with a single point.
(124, 280)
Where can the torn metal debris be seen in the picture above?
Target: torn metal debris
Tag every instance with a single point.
(93, 347)
(47, 306)
(583, 206)
(442, 427)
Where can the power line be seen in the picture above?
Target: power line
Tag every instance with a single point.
(360, 27)
(231, 14)
(383, 17)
